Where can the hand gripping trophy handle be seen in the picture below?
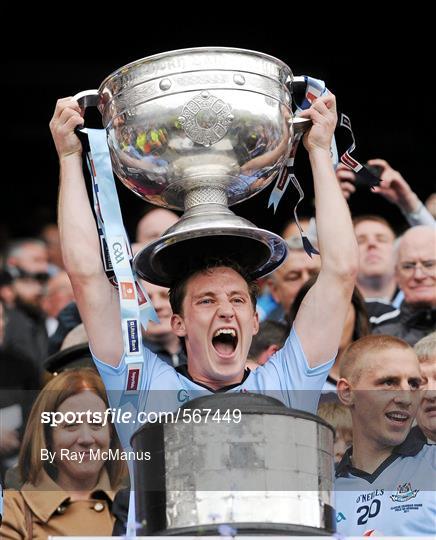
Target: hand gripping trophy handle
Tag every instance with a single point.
(199, 130)
(85, 99)
(298, 88)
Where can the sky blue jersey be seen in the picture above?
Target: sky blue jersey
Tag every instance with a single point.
(286, 376)
(398, 499)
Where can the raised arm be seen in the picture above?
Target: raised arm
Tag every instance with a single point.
(396, 190)
(320, 319)
(96, 298)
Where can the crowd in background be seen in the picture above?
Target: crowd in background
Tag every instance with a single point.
(42, 336)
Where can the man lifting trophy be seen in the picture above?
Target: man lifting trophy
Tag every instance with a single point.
(200, 130)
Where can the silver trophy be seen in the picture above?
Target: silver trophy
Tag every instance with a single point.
(268, 474)
(199, 130)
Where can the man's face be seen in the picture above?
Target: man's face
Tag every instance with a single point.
(426, 416)
(59, 293)
(291, 275)
(33, 258)
(386, 397)
(343, 440)
(161, 303)
(218, 323)
(376, 249)
(416, 269)
(154, 224)
(50, 234)
(28, 291)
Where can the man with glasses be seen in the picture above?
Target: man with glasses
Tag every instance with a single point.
(26, 333)
(416, 276)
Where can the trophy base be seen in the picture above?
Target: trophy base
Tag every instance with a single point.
(209, 231)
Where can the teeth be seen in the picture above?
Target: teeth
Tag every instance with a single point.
(398, 416)
(229, 331)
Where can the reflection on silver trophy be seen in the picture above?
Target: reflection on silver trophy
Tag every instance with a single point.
(199, 130)
(268, 474)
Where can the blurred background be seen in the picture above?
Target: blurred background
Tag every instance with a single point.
(377, 73)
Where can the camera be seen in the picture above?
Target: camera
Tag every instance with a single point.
(361, 181)
(376, 170)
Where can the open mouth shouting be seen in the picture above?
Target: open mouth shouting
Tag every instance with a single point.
(225, 341)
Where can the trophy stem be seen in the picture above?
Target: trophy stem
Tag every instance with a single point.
(205, 195)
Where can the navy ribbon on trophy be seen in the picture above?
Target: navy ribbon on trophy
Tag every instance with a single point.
(316, 88)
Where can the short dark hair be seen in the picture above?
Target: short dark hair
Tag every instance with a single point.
(178, 289)
(373, 217)
(352, 365)
(270, 333)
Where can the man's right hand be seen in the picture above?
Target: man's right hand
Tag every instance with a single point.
(67, 116)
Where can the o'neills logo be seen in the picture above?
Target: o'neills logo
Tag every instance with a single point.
(133, 379)
(132, 332)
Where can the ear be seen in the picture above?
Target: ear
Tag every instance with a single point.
(178, 325)
(272, 349)
(265, 355)
(255, 323)
(273, 289)
(345, 392)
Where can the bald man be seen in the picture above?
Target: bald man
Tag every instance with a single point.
(426, 417)
(385, 481)
(416, 276)
(153, 224)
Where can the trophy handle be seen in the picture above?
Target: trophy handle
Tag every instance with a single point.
(85, 99)
(301, 125)
(297, 87)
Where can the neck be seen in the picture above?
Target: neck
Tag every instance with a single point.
(368, 455)
(78, 489)
(210, 382)
(382, 287)
(334, 372)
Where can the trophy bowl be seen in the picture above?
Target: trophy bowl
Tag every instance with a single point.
(199, 130)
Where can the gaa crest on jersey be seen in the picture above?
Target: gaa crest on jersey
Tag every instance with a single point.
(404, 493)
